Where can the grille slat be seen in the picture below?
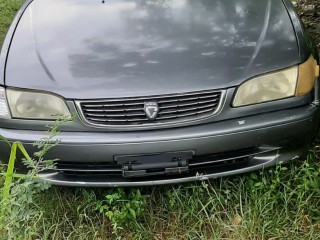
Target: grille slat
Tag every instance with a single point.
(184, 114)
(112, 110)
(181, 110)
(172, 109)
(180, 105)
(115, 115)
(188, 98)
(110, 105)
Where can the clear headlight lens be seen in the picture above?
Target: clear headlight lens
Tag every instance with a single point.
(36, 105)
(267, 87)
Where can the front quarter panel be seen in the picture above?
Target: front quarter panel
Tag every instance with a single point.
(7, 41)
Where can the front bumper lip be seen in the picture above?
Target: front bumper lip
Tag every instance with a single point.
(267, 157)
(288, 133)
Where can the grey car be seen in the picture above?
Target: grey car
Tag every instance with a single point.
(163, 91)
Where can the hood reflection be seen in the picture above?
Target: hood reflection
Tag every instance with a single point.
(152, 44)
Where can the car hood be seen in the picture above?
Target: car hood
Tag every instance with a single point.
(86, 49)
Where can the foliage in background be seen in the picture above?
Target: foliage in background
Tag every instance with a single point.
(310, 13)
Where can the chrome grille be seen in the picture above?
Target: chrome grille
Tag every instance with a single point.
(174, 108)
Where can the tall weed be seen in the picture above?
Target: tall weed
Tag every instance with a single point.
(19, 212)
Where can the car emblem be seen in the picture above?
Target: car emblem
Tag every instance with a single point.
(151, 108)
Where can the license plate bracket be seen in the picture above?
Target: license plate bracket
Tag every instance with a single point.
(154, 164)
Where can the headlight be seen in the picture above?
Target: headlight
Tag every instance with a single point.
(294, 81)
(36, 105)
(267, 88)
(4, 111)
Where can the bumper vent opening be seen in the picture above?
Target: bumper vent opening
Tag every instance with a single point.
(199, 164)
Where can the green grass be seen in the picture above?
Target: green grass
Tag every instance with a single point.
(7, 11)
(278, 203)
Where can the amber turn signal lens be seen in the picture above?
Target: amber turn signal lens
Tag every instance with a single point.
(308, 72)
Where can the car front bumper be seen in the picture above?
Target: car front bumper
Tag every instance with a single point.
(219, 149)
